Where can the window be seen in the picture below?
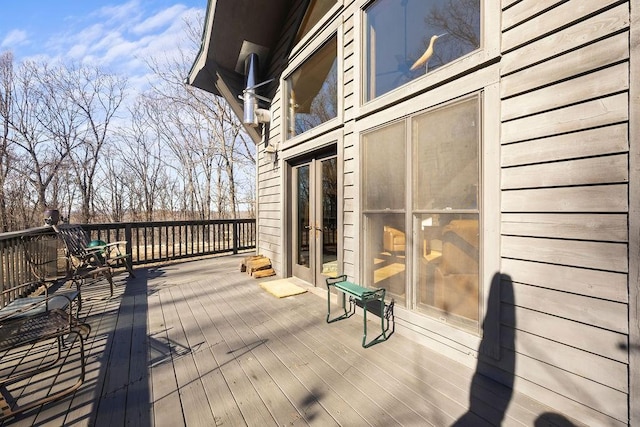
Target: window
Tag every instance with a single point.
(406, 39)
(446, 177)
(312, 91)
(316, 10)
(384, 204)
(442, 235)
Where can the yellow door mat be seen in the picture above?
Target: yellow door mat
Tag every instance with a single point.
(282, 288)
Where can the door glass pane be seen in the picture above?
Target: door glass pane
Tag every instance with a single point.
(400, 43)
(302, 175)
(312, 91)
(329, 217)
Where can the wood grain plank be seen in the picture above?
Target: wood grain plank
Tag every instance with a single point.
(576, 253)
(603, 227)
(595, 170)
(565, 13)
(166, 405)
(599, 84)
(582, 363)
(301, 364)
(585, 309)
(221, 400)
(597, 199)
(524, 10)
(597, 284)
(590, 114)
(279, 403)
(596, 55)
(187, 339)
(591, 142)
(579, 335)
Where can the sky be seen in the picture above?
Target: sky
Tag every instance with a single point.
(116, 34)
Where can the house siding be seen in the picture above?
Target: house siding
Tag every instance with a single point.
(564, 183)
(564, 101)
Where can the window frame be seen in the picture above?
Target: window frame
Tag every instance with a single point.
(311, 46)
(486, 82)
(489, 51)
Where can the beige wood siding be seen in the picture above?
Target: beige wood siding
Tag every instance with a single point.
(565, 182)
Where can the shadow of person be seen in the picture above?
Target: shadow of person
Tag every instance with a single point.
(551, 419)
(492, 382)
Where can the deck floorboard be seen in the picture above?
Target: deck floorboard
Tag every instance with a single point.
(201, 344)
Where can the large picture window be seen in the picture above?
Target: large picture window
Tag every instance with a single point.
(442, 234)
(312, 91)
(406, 39)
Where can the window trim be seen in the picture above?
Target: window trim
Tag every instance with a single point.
(334, 29)
(489, 51)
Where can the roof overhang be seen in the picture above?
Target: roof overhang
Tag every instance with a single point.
(232, 30)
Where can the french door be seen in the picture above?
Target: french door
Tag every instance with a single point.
(314, 234)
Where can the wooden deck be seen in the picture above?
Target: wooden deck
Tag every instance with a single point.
(202, 344)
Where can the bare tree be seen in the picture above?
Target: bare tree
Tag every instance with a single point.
(98, 96)
(6, 101)
(203, 133)
(43, 127)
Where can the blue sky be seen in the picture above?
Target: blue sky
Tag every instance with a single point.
(115, 34)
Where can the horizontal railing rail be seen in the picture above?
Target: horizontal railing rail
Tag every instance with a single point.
(147, 243)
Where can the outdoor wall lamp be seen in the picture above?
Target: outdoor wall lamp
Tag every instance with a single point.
(271, 152)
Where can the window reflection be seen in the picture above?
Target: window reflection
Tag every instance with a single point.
(313, 91)
(408, 38)
(315, 12)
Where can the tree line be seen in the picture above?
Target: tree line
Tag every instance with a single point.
(72, 137)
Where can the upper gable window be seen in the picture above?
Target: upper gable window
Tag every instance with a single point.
(316, 10)
(406, 39)
(312, 90)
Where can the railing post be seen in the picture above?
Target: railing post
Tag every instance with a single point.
(236, 235)
(129, 245)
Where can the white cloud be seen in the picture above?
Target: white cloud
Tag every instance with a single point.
(160, 19)
(14, 38)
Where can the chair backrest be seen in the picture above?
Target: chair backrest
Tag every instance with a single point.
(74, 237)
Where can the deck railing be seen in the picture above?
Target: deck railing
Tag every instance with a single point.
(147, 242)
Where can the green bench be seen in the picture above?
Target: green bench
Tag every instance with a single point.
(365, 296)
